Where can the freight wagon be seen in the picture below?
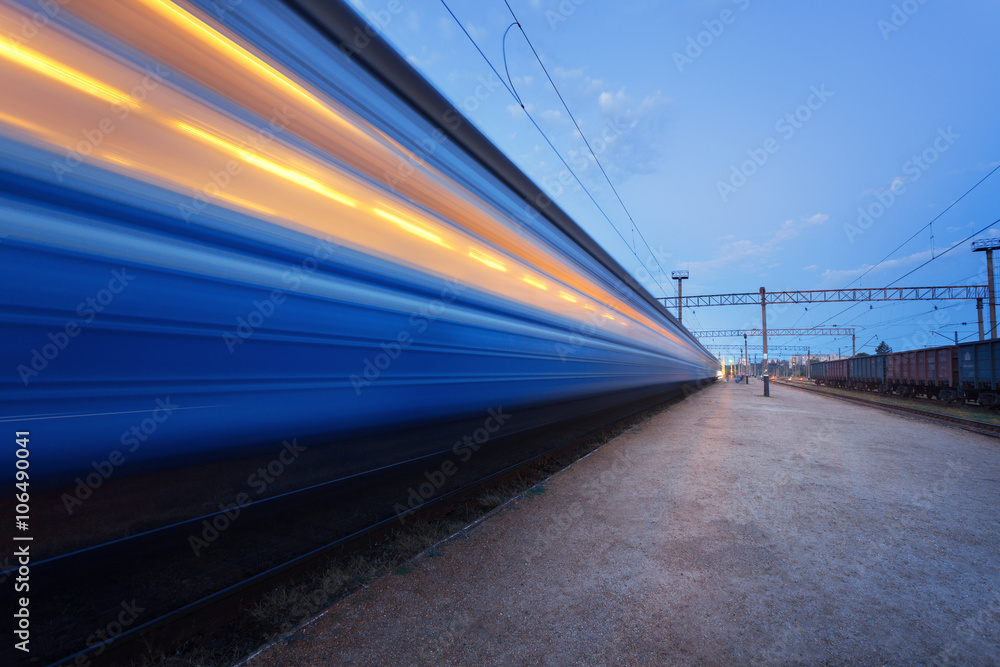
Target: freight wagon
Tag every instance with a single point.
(931, 372)
(834, 373)
(979, 372)
(868, 373)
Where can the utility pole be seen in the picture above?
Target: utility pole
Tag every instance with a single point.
(979, 311)
(853, 352)
(763, 328)
(679, 276)
(992, 295)
(989, 245)
(808, 364)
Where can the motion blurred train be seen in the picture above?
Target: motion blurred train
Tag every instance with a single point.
(235, 229)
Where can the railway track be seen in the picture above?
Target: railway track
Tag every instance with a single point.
(974, 425)
(198, 618)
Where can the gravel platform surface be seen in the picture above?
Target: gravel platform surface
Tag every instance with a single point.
(730, 529)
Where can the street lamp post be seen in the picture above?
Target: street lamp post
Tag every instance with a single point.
(679, 276)
(746, 355)
(763, 327)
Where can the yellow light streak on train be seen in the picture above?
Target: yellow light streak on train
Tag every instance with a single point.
(272, 167)
(56, 70)
(253, 81)
(118, 159)
(535, 283)
(25, 125)
(412, 228)
(199, 29)
(480, 256)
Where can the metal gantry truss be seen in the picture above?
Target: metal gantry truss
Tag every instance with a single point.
(817, 331)
(739, 347)
(833, 295)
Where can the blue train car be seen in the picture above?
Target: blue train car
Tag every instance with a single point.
(979, 371)
(868, 373)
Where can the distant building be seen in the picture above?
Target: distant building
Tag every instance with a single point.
(804, 359)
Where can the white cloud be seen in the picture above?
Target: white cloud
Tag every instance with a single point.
(841, 277)
(413, 21)
(563, 73)
(551, 114)
(745, 256)
(811, 267)
(446, 26)
(611, 102)
(476, 32)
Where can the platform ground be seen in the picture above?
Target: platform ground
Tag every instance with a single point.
(729, 529)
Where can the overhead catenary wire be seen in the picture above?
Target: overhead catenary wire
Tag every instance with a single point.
(635, 228)
(509, 86)
(928, 225)
(939, 256)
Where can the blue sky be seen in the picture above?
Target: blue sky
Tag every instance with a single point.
(746, 138)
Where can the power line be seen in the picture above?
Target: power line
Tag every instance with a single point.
(508, 85)
(635, 228)
(946, 251)
(950, 206)
(956, 245)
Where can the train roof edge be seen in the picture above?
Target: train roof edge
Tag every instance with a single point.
(341, 23)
